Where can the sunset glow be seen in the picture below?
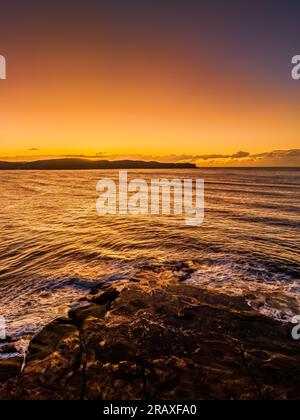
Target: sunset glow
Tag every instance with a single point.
(116, 86)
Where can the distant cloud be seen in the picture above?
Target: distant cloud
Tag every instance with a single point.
(274, 158)
(34, 149)
(240, 155)
(278, 158)
(241, 158)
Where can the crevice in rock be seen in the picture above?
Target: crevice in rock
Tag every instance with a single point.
(145, 367)
(259, 393)
(82, 364)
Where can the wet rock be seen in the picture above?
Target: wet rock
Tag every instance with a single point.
(147, 340)
(9, 368)
(53, 365)
(105, 297)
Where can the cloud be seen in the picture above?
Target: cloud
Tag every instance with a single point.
(275, 158)
(240, 155)
(278, 158)
(280, 154)
(241, 158)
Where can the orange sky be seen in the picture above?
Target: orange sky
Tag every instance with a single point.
(68, 95)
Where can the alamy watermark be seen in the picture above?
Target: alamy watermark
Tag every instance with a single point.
(296, 68)
(158, 197)
(2, 67)
(296, 329)
(2, 328)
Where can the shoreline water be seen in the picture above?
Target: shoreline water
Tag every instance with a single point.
(269, 302)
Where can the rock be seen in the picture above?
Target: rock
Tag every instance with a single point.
(10, 368)
(163, 340)
(8, 348)
(53, 365)
(105, 297)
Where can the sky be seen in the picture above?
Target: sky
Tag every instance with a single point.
(181, 80)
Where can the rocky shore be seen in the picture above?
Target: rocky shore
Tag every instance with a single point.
(157, 339)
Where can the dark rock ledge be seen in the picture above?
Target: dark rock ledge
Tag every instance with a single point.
(148, 339)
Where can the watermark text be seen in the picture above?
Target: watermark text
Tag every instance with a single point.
(2, 67)
(296, 329)
(296, 68)
(158, 197)
(2, 328)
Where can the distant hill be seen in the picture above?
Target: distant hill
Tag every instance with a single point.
(85, 164)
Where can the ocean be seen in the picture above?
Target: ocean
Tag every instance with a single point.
(54, 246)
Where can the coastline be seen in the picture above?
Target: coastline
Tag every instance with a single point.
(157, 339)
(87, 164)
